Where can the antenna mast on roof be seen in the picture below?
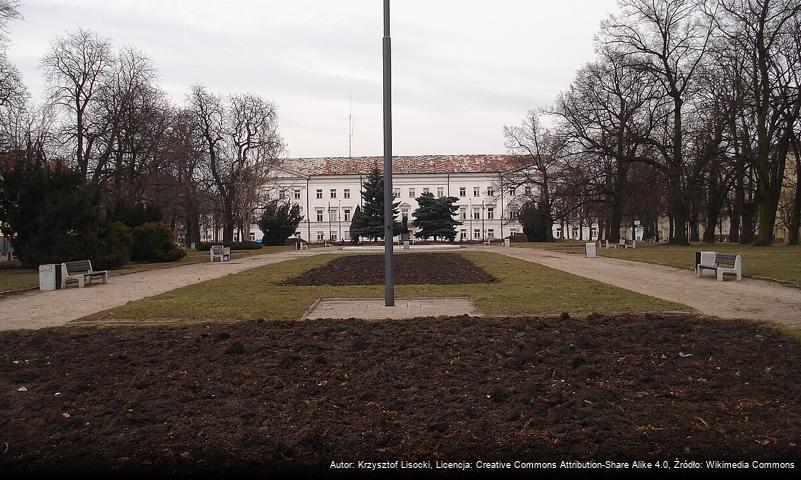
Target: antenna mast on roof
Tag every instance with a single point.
(350, 129)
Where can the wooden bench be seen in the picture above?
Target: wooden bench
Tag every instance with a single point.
(220, 252)
(720, 263)
(81, 272)
(488, 241)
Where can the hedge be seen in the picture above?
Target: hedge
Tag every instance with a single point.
(205, 247)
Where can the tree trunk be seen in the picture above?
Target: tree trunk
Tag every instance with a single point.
(795, 216)
(678, 209)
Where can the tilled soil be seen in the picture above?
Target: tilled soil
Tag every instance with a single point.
(275, 396)
(410, 269)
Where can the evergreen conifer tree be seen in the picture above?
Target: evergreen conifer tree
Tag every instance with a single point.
(435, 217)
(371, 222)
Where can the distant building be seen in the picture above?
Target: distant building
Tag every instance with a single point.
(328, 190)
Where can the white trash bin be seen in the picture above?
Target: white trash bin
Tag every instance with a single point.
(49, 277)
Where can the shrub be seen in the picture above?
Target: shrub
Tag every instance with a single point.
(152, 242)
(116, 241)
(278, 222)
(205, 247)
(518, 238)
(536, 222)
(136, 215)
(53, 217)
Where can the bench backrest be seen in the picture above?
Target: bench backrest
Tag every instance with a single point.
(622, 242)
(217, 249)
(726, 259)
(82, 266)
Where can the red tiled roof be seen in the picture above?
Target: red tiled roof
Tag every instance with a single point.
(426, 164)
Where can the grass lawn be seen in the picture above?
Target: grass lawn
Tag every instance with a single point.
(781, 264)
(525, 289)
(13, 277)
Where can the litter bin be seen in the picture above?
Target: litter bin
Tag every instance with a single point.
(507, 242)
(406, 245)
(49, 277)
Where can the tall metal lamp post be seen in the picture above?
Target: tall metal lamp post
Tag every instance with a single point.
(389, 219)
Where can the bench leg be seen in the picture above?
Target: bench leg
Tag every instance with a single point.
(81, 282)
(720, 276)
(739, 277)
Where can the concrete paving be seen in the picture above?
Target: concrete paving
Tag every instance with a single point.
(374, 309)
(750, 299)
(37, 309)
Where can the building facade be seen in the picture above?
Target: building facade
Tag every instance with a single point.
(328, 190)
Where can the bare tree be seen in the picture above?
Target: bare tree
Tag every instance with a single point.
(604, 114)
(77, 67)
(240, 141)
(668, 40)
(539, 160)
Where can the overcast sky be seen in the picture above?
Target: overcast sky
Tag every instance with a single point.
(462, 69)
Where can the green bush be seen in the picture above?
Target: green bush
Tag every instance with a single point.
(278, 222)
(518, 238)
(152, 242)
(53, 217)
(115, 241)
(205, 247)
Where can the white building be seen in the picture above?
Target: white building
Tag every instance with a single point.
(328, 190)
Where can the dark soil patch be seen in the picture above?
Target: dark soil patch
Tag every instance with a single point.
(410, 269)
(297, 395)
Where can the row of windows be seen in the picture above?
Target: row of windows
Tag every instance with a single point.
(332, 193)
(476, 233)
(333, 214)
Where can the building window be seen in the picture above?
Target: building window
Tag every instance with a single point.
(490, 213)
(490, 233)
(440, 192)
(297, 194)
(252, 237)
(513, 232)
(347, 215)
(490, 192)
(282, 194)
(528, 190)
(463, 213)
(476, 214)
(319, 194)
(333, 236)
(346, 236)
(319, 215)
(476, 192)
(463, 234)
(476, 234)
(512, 212)
(346, 193)
(320, 236)
(332, 215)
(425, 190)
(404, 215)
(512, 191)
(333, 193)
(396, 193)
(411, 193)
(462, 191)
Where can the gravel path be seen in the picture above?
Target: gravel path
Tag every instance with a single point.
(749, 299)
(51, 309)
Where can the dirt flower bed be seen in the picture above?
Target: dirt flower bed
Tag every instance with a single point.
(275, 396)
(410, 269)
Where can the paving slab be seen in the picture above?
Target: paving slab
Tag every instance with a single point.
(750, 299)
(374, 309)
(37, 309)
